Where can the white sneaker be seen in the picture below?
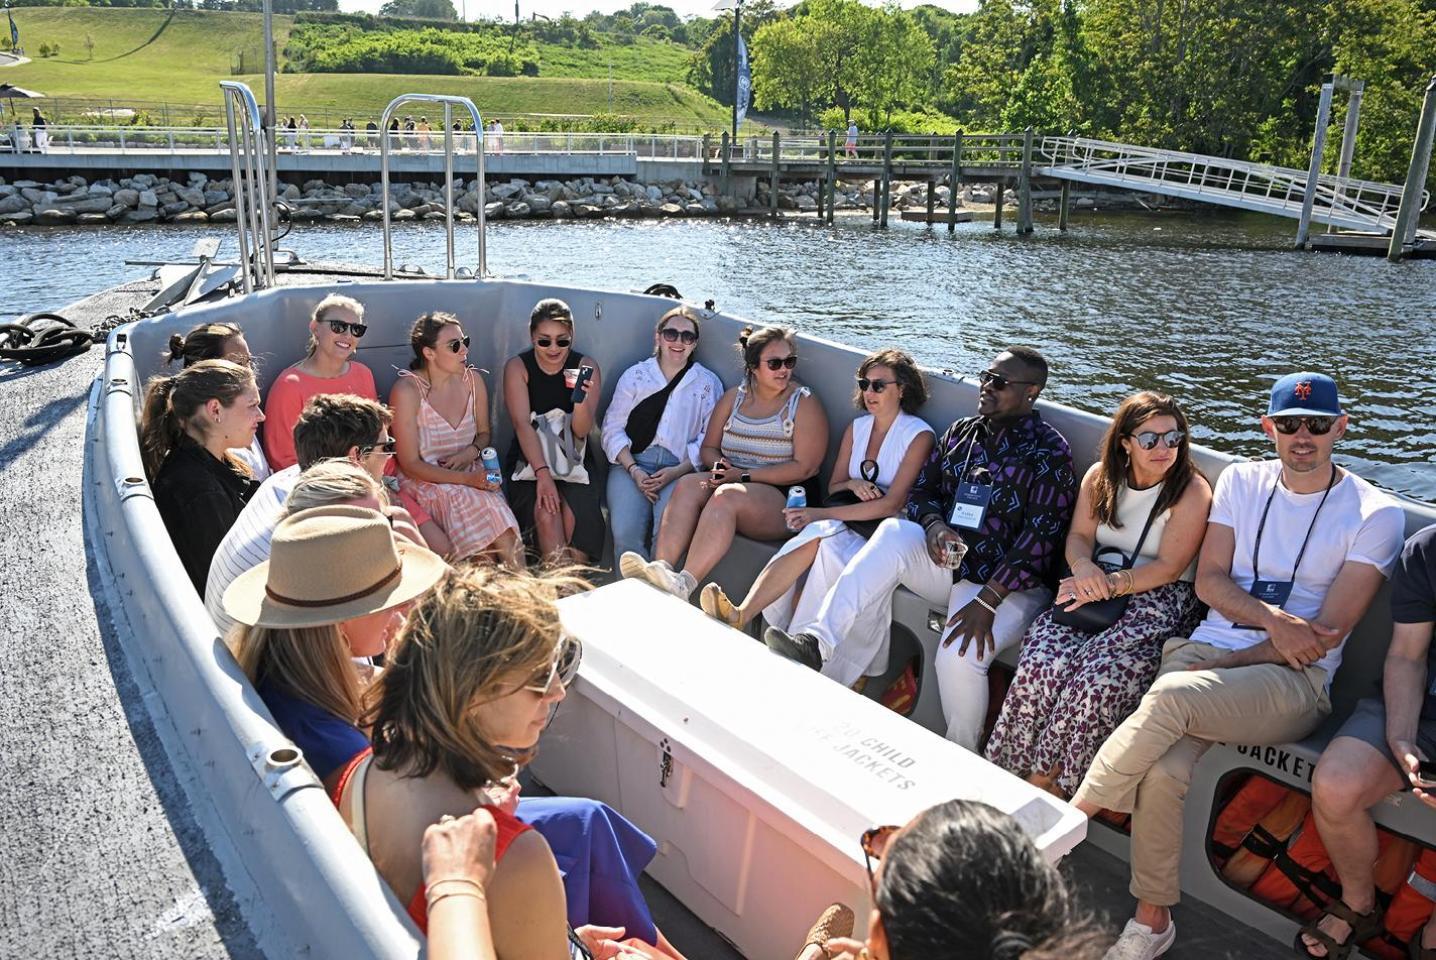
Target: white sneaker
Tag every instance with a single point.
(632, 565)
(1138, 942)
(680, 583)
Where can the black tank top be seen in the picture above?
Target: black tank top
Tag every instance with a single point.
(547, 391)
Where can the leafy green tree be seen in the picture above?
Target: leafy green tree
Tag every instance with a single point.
(711, 70)
(891, 63)
(424, 9)
(788, 68)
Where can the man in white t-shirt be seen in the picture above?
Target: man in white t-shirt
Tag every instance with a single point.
(1294, 552)
(330, 425)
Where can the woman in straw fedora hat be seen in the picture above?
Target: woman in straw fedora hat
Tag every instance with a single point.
(335, 587)
(469, 686)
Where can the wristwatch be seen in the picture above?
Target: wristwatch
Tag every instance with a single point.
(745, 477)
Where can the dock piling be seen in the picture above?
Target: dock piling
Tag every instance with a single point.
(1024, 185)
(877, 198)
(1313, 170)
(1404, 230)
(887, 177)
(999, 191)
(952, 182)
(773, 183)
(832, 183)
(1064, 205)
(725, 180)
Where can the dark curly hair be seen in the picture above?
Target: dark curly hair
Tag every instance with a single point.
(905, 372)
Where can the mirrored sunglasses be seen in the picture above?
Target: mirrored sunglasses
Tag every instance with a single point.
(461, 343)
(1148, 439)
(340, 326)
(564, 666)
(1316, 426)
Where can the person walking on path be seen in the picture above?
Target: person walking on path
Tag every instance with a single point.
(850, 146)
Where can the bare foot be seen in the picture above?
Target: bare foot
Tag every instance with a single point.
(1334, 927)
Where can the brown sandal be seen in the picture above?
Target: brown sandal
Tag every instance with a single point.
(1415, 951)
(836, 921)
(1363, 926)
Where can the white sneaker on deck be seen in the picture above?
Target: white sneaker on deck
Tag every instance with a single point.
(632, 565)
(1138, 942)
(680, 583)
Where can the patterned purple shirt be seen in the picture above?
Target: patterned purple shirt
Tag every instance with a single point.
(1034, 491)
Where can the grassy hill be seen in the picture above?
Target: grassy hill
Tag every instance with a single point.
(178, 57)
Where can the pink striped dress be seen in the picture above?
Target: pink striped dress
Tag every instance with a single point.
(472, 518)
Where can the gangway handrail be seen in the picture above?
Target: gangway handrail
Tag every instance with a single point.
(449, 102)
(249, 165)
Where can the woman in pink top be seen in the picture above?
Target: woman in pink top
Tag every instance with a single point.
(441, 424)
(334, 334)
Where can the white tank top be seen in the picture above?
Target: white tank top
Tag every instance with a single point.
(1132, 509)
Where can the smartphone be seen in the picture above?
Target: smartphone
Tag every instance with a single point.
(1426, 775)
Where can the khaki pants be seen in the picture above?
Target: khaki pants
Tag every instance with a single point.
(1145, 767)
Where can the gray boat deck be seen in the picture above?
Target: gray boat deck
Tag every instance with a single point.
(101, 852)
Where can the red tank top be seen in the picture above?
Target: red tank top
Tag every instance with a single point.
(509, 829)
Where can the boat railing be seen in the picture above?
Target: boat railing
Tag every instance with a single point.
(449, 103)
(253, 200)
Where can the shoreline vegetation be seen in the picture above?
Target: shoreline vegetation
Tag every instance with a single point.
(195, 198)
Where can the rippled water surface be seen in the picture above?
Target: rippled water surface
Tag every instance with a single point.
(1209, 307)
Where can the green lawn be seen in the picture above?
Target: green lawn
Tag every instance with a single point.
(150, 56)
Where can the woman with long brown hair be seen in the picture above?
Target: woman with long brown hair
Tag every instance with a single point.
(191, 426)
(1074, 685)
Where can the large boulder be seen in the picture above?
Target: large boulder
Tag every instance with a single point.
(653, 192)
(38, 197)
(55, 216)
(101, 189)
(212, 197)
(91, 219)
(517, 211)
(494, 211)
(373, 215)
(403, 215)
(585, 210)
(85, 204)
(18, 219)
(170, 209)
(148, 198)
(505, 191)
(356, 190)
(192, 216)
(226, 215)
(540, 203)
(190, 195)
(115, 212)
(560, 208)
(671, 210)
(142, 215)
(13, 204)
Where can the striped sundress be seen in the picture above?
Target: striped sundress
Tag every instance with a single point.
(473, 519)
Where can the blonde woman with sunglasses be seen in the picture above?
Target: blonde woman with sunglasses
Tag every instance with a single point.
(466, 692)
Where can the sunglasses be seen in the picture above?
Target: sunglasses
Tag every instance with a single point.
(1316, 426)
(545, 342)
(876, 386)
(339, 326)
(875, 842)
(564, 667)
(778, 363)
(673, 336)
(461, 343)
(1148, 439)
(388, 448)
(998, 381)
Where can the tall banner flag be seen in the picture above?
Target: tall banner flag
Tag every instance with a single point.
(745, 80)
(14, 31)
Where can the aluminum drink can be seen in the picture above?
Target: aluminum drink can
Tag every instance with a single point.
(952, 554)
(797, 500)
(493, 474)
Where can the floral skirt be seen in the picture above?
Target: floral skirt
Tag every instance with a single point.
(1072, 689)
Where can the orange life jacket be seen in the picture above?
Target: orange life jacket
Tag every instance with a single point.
(1300, 877)
(1410, 907)
(1266, 840)
(1257, 797)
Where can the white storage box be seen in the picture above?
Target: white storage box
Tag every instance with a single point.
(755, 775)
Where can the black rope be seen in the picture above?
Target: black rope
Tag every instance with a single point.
(41, 338)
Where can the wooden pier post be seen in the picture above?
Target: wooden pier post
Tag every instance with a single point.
(1313, 170)
(1064, 205)
(877, 198)
(1024, 185)
(1404, 230)
(952, 182)
(931, 199)
(887, 177)
(707, 150)
(999, 190)
(725, 178)
(773, 182)
(832, 182)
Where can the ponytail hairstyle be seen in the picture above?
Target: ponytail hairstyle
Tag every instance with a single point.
(208, 341)
(965, 873)
(425, 333)
(1112, 476)
(171, 404)
(751, 344)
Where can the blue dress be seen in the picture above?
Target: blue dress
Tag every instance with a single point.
(599, 853)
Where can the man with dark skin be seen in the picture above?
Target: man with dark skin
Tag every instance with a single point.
(985, 524)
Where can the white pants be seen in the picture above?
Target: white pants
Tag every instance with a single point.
(854, 621)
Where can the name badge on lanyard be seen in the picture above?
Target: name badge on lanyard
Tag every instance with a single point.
(1277, 592)
(969, 508)
(973, 494)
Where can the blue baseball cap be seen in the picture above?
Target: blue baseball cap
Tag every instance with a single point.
(1309, 394)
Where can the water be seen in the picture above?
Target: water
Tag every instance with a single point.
(1210, 307)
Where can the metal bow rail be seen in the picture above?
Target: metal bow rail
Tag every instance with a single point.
(253, 198)
(449, 102)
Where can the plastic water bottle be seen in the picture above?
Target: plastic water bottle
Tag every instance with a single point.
(797, 500)
(491, 466)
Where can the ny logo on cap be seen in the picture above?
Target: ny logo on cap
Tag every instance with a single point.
(1302, 390)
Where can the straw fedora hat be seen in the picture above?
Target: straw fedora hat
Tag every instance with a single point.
(331, 564)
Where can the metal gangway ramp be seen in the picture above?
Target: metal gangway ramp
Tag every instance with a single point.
(1341, 202)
